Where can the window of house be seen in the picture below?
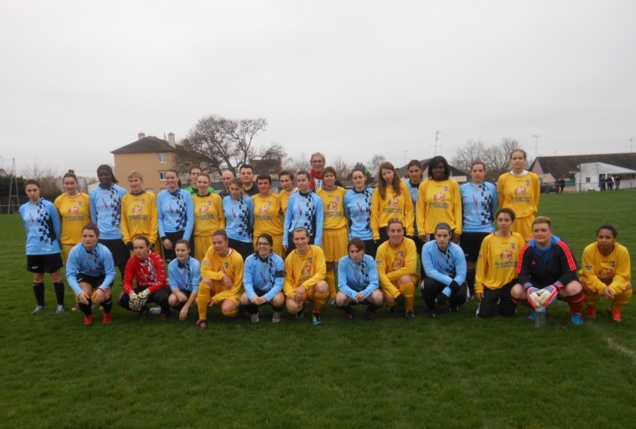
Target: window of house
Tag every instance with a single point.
(588, 179)
(162, 158)
(162, 176)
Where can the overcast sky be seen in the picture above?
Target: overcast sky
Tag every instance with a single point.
(79, 79)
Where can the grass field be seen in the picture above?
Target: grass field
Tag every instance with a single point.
(455, 371)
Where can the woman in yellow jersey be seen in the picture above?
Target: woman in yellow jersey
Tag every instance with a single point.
(139, 212)
(75, 212)
(497, 268)
(519, 190)
(606, 272)
(208, 216)
(391, 199)
(334, 230)
(286, 179)
(439, 201)
(267, 214)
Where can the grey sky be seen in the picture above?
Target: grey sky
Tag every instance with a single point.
(351, 78)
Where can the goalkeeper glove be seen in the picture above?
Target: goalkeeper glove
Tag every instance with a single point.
(534, 297)
(144, 294)
(550, 295)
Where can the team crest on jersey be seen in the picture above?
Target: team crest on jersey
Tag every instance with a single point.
(520, 190)
(393, 202)
(226, 265)
(79, 204)
(143, 201)
(506, 255)
(137, 209)
(588, 267)
(527, 183)
(612, 264)
(512, 246)
(445, 188)
(439, 196)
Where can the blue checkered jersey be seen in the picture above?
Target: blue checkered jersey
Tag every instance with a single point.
(176, 212)
(95, 263)
(266, 275)
(43, 227)
(239, 217)
(355, 278)
(358, 213)
(185, 276)
(479, 207)
(306, 211)
(444, 266)
(106, 210)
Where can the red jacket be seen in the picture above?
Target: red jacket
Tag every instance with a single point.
(149, 274)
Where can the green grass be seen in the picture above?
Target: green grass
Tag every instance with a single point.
(456, 371)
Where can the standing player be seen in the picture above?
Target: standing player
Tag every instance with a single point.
(106, 214)
(358, 281)
(246, 173)
(226, 177)
(396, 260)
(193, 188)
(221, 279)
(358, 211)
(445, 269)
(479, 203)
(547, 272)
(74, 209)
(267, 214)
(286, 179)
(496, 268)
(263, 280)
(416, 175)
(238, 210)
(439, 202)
(184, 276)
(176, 214)
(391, 199)
(304, 210)
(519, 190)
(208, 216)
(145, 268)
(42, 225)
(334, 234)
(139, 212)
(90, 271)
(606, 272)
(305, 271)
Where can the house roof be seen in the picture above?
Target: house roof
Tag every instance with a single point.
(148, 144)
(563, 166)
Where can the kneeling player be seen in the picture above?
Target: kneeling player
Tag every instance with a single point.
(606, 272)
(221, 279)
(90, 271)
(358, 281)
(263, 279)
(497, 268)
(547, 272)
(184, 276)
(145, 268)
(445, 268)
(396, 260)
(305, 271)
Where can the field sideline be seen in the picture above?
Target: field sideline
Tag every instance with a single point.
(455, 371)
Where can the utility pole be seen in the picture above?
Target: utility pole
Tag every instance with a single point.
(437, 138)
(631, 145)
(536, 144)
(405, 156)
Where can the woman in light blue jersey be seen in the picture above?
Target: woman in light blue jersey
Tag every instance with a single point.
(238, 208)
(176, 214)
(357, 204)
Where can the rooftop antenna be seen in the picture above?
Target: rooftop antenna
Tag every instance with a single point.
(536, 144)
(437, 138)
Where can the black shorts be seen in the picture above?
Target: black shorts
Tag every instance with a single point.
(44, 263)
(244, 249)
(118, 249)
(470, 243)
(95, 282)
(488, 305)
(187, 293)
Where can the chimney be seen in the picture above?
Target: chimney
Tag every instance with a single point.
(141, 135)
(171, 141)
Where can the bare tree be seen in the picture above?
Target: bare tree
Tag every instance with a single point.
(497, 158)
(216, 143)
(297, 163)
(470, 152)
(374, 164)
(49, 181)
(342, 167)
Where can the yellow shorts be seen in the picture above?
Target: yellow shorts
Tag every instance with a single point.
(66, 249)
(523, 226)
(334, 244)
(277, 247)
(394, 290)
(201, 245)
